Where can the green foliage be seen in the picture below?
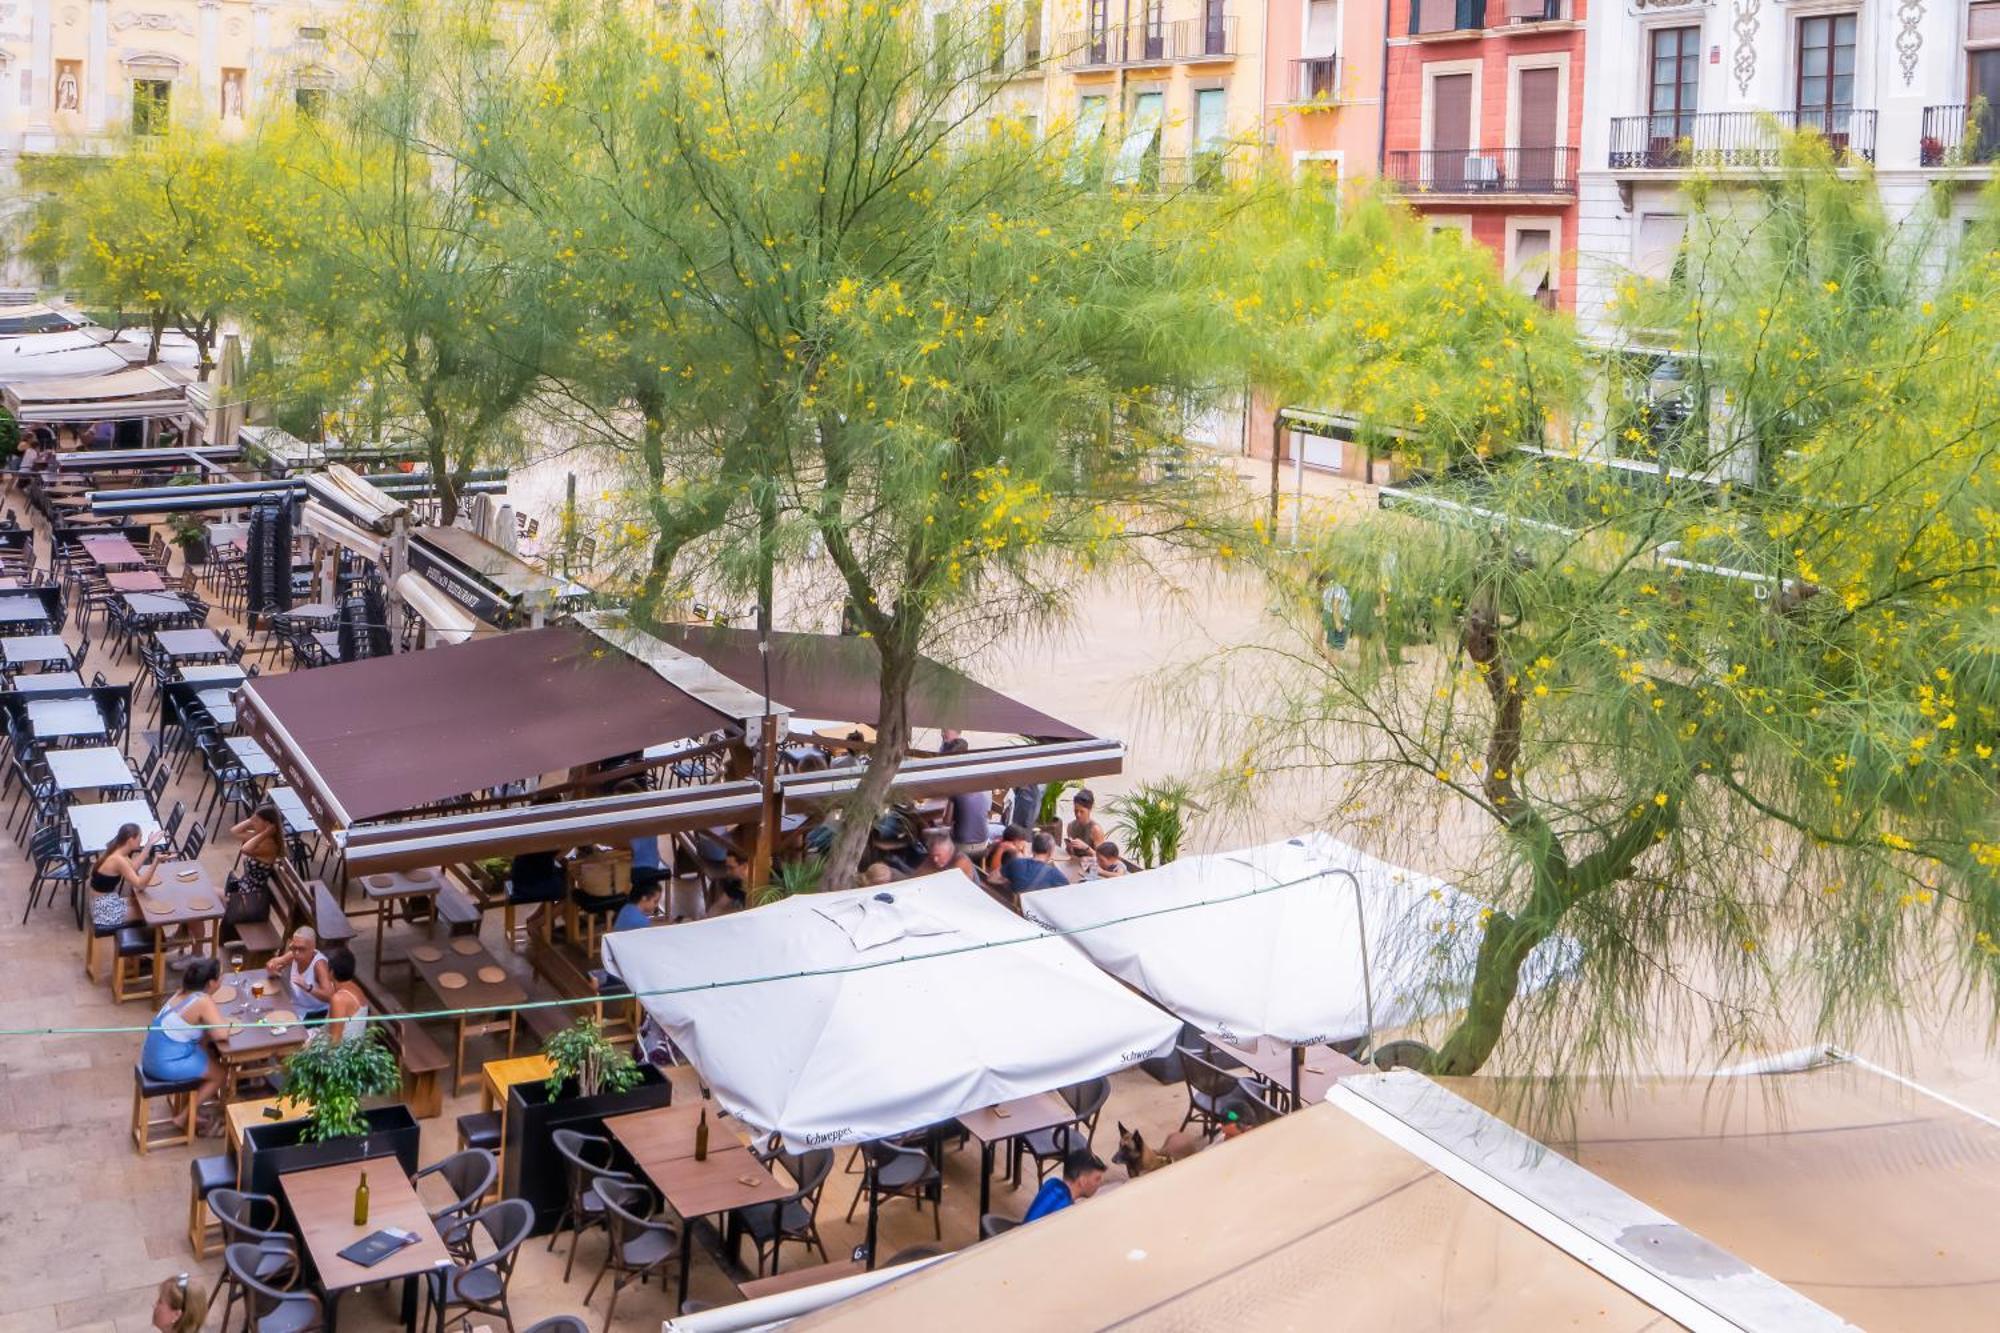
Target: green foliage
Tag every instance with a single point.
(1152, 821)
(581, 1053)
(791, 879)
(335, 1077)
(10, 436)
(1050, 810)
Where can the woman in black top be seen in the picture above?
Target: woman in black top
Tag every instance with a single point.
(116, 870)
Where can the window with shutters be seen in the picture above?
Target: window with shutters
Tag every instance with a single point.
(1322, 29)
(1657, 251)
(1540, 161)
(1982, 83)
(1531, 267)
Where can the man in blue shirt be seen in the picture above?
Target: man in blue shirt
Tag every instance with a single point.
(1082, 1173)
(642, 901)
(1025, 874)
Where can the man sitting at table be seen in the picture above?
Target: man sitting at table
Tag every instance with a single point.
(642, 904)
(941, 853)
(1037, 870)
(1082, 1173)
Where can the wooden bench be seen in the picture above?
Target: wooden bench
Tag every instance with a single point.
(560, 966)
(309, 902)
(459, 913)
(424, 1062)
(259, 937)
(329, 921)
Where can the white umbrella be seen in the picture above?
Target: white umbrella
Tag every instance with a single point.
(1304, 941)
(845, 1017)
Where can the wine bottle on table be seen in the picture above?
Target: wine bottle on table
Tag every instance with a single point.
(701, 1137)
(361, 1201)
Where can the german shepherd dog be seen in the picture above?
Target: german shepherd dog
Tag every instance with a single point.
(1137, 1157)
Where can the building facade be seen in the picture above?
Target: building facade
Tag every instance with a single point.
(1679, 86)
(1323, 86)
(1484, 113)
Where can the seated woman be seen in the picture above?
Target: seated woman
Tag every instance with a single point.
(120, 870)
(642, 904)
(1014, 841)
(172, 1049)
(263, 839)
(347, 1001)
(1083, 833)
(303, 970)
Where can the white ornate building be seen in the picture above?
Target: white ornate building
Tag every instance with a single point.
(1676, 84)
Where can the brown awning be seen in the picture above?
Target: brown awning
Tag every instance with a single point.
(837, 677)
(390, 734)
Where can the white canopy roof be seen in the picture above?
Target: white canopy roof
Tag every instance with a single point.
(1265, 941)
(843, 1017)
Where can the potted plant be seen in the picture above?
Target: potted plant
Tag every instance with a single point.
(190, 530)
(1152, 821)
(590, 1079)
(334, 1080)
(1048, 818)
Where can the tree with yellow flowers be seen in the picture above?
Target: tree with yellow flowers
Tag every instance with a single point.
(1714, 723)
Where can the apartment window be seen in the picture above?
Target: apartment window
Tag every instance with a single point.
(1214, 28)
(1153, 32)
(1139, 155)
(1031, 31)
(312, 34)
(1675, 72)
(1657, 252)
(1322, 28)
(1542, 160)
(1446, 15)
(1451, 133)
(941, 47)
(1090, 113)
(1097, 18)
(1826, 73)
(1533, 266)
(1211, 135)
(1982, 80)
(151, 99)
(309, 101)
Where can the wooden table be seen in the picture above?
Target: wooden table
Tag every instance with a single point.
(112, 551)
(188, 643)
(136, 580)
(239, 1116)
(322, 1204)
(995, 1125)
(393, 887)
(195, 902)
(59, 719)
(258, 1045)
(90, 768)
(661, 1142)
(48, 682)
(256, 760)
(1271, 1060)
(96, 823)
(476, 993)
(33, 649)
(500, 1075)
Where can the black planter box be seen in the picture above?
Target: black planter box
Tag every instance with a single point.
(275, 1149)
(533, 1169)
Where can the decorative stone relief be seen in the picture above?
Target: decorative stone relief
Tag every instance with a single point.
(233, 26)
(1909, 40)
(1745, 23)
(149, 22)
(69, 16)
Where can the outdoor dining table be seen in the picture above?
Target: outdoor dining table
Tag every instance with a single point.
(312, 611)
(221, 705)
(292, 809)
(995, 1125)
(136, 580)
(147, 607)
(18, 608)
(464, 976)
(190, 643)
(390, 888)
(269, 1025)
(1271, 1060)
(60, 719)
(322, 1204)
(221, 673)
(32, 649)
(661, 1144)
(91, 768)
(47, 682)
(96, 823)
(256, 760)
(112, 551)
(183, 894)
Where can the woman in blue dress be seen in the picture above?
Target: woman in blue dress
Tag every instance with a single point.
(173, 1049)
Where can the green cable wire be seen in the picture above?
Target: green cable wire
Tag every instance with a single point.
(727, 983)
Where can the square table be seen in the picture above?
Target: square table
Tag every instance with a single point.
(256, 760)
(136, 580)
(33, 649)
(16, 609)
(95, 824)
(995, 1125)
(221, 705)
(312, 611)
(112, 551)
(258, 1045)
(179, 643)
(661, 1143)
(464, 958)
(183, 894)
(239, 1116)
(56, 719)
(388, 889)
(1271, 1060)
(147, 606)
(47, 682)
(90, 768)
(322, 1204)
(219, 673)
(292, 809)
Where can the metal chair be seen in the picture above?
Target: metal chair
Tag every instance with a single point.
(469, 1175)
(1211, 1091)
(1049, 1146)
(896, 1170)
(992, 1224)
(641, 1245)
(480, 1286)
(249, 1220)
(269, 1303)
(585, 1208)
(795, 1218)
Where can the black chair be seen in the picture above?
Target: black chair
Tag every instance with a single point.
(1049, 1146)
(898, 1171)
(796, 1218)
(480, 1285)
(197, 838)
(1212, 1091)
(586, 1165)
(270, 1304)
(250, 1220)
(54, 866)
(469, 1175)
(641, 1245)
(560, 1323)
(992, 1224)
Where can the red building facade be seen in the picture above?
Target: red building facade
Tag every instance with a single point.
(1481, 127)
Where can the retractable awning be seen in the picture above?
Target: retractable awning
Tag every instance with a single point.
(449, 622)
(328, 526)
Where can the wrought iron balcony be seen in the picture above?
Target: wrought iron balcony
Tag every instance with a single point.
(1316, 80)
(1472, 171)
(1959, 135)
(1185, 41)
(1209, 38)
(1721, 139)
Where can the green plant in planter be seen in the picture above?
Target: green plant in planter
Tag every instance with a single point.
(581, 1052)
(792, 878)
(1051, 807)
(1152, 821)
(190, 530)
(334, 1078)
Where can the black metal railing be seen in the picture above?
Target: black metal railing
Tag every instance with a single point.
(1316, 79)
(1483, 171)
(1151, 42)
(1731, 138)
(1436, 16)
(1960, 134)
(1212, 37)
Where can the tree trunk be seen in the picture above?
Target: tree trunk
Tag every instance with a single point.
(157, 329)
(1496, 978)
(892, 745)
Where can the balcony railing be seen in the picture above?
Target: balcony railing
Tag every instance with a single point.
(1209, 38)
(1960, 134)
(1316, 80)
(1151, 43)
(1436, 16)
(1731, 138)
(1507, 13)
(1502, 171)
